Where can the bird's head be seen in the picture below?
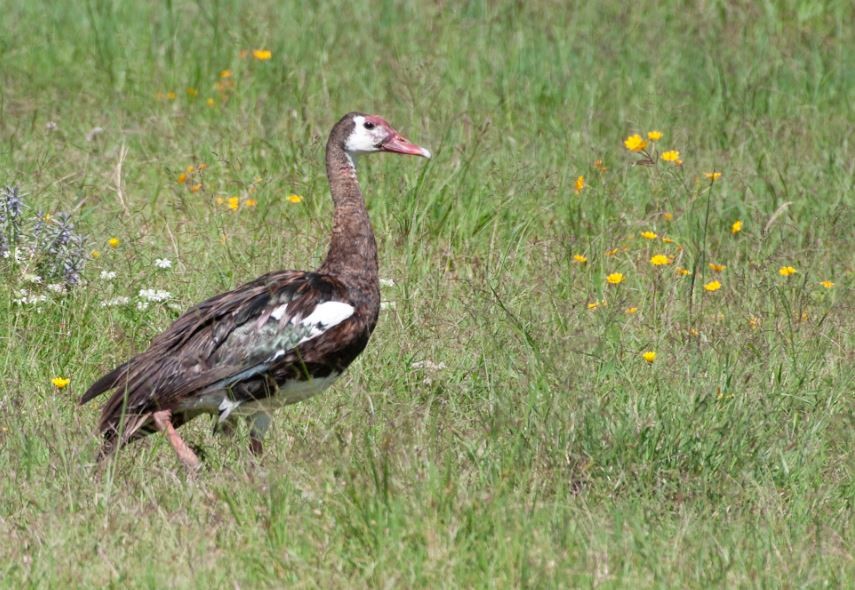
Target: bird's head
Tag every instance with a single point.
(365, 134)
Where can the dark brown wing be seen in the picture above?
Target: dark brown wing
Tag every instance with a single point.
(236, 338)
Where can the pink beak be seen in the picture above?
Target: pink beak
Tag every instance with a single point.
(399, 144)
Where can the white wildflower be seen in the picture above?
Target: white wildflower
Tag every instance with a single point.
(163, 263)
(108, 275)
(142, 305)
(56, 287)
(93, 133)
(31, 278)
(428, 365)
(26, 298)
(156, 295)
(116, 301)
(387, 282)
(51, 126)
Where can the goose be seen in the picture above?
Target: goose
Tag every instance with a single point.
(277, 340)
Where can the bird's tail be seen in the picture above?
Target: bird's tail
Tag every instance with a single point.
(106, 383)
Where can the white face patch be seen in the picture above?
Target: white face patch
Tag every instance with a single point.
(362, 140)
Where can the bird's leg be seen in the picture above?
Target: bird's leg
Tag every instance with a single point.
(259, 423)
(163, 421)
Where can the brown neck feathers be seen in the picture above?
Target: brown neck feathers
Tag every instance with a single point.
(352, 256)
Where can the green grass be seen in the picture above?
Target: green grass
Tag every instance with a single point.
(546, 452)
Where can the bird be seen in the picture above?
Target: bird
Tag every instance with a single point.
(277, 340)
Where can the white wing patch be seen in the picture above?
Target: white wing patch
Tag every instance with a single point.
(325, 316)
(277, 313)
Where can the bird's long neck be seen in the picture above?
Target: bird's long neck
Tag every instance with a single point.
(352, 255)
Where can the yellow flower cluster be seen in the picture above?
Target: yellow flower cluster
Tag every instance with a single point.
(649, 356)
(786, 271)
(580, 184)
(649, 235)
(635, 143)
(60, 382)
(580, 258)
(191, 177)
(672, 156)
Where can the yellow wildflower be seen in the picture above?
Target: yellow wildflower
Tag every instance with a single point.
(225, 74)
(295, 199)
(649, 235)
(234, 203)
(202, 166)
(612, 251)
(60, 382)
(736, 227)
(600, 167)
(753, 322)
(712, 286)
(649, 356)
(616, 278)
(211, 102)
(580, 184)
(114, 242)
(683, 272)
(660, 260)
(667, 240)
(631, 310)
(182, 178)
(786, 271)
(635, 143)
(667, 216)
(672, 156)
(190, 169)
(694, 332)
(171, 95)
(250, 203)
(95, 254)
(827, 284)
(654, 135)
(580, 258)
(262, 54)
(196, 187)
(717, 267)
(712, 176)
(191, 92)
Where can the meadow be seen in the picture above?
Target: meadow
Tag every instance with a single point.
(600, 363)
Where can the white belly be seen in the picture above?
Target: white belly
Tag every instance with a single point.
(291, 393)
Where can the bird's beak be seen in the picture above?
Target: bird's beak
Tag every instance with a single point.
(399, 144)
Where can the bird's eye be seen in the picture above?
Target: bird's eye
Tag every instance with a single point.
(368, 125)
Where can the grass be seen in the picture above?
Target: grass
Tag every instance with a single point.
(539, 449)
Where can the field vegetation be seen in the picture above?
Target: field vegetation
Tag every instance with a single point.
(600, 363)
